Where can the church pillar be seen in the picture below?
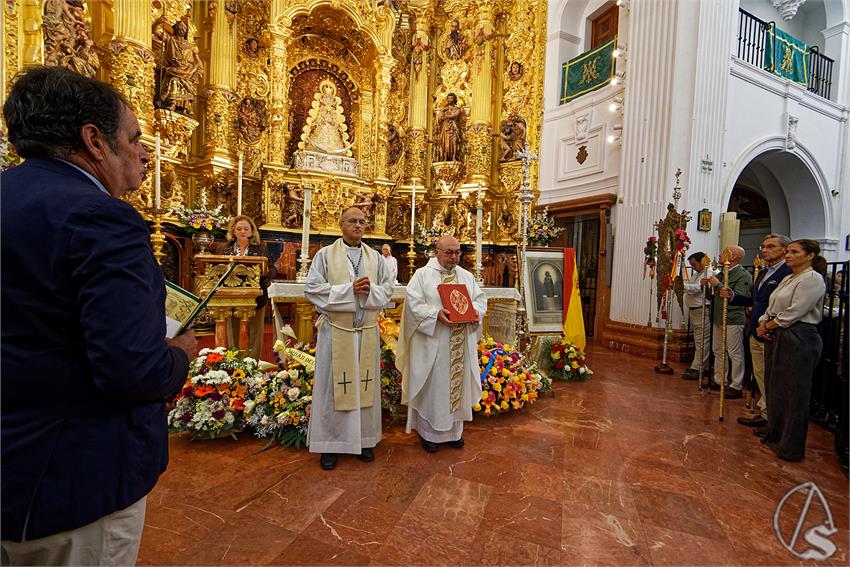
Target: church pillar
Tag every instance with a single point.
(132, 63)
(385, 66)
(220, 112)
(417, 117)
(279, 79)
(367, 130)
(479, 146)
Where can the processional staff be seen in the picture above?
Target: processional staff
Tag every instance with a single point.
(724, 258)
(704, 263)
(757, 264)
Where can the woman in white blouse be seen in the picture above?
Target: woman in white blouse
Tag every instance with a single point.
(792, 349)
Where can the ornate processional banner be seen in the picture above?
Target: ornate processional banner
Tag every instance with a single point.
(588, 72)
(786, 56)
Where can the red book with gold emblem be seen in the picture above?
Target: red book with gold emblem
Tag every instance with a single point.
(457, 302)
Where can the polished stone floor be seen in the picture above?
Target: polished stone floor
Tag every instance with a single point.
(629, 468)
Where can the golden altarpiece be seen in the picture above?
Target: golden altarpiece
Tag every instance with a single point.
(367, 102)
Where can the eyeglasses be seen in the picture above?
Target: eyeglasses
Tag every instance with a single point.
(449, 252)
(356, 221)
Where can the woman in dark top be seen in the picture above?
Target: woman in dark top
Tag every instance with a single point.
(243, 239)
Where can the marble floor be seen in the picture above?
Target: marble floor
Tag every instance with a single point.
(629, 468)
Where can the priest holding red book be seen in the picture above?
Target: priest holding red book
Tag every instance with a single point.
(438, 348)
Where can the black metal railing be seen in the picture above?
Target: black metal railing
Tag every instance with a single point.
(751, 43)
(820, 72)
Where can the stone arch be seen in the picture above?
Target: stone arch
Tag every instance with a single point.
(794, 177)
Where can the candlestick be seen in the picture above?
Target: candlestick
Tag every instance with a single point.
(239, 188)
(157, 167)
(729, 229)
(301, 277)
(413, 211)
(479, 234)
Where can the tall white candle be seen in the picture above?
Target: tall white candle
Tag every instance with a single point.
(157, 167)
(413, 212)
(479, 231)
(305, 232)
(239, 188)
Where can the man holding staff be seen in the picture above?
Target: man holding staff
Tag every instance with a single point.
(740, 282)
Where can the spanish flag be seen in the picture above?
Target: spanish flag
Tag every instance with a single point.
(573, 318)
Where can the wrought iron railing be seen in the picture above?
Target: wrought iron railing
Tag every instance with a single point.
(751, 40)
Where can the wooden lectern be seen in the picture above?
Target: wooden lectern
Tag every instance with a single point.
(237, 295)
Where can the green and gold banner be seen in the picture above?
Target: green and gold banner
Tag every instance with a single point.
(786, 56)
(588, 72)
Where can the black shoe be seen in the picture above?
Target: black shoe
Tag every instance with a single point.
(366, 455)
(328, 461)
(760, 432)
(429, 447)
(456, 444)
(714, 386)
(690, 374)
(755, 421)
(733, 394)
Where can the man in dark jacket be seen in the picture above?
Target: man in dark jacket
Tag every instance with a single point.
(773, 253)
(86, 368)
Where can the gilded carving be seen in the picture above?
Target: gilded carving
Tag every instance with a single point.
(329, 200)
(133, 74)
(479, 156)
(175, 132)
(219, 120)
(179, 66)
(67, 37)
(10, 42)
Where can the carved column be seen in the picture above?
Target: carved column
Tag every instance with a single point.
(479, 146)
(417, 117)
(279, 79)
(367, 127)
(33, 48)
(222, 84)
(132, 64)
(385, 67)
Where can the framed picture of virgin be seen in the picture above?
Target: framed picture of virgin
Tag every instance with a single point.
(544, 289)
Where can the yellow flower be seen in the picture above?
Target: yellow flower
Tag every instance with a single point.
(504, 405)
(484, 360)
(506, 372)
(497, 387)
(477, 407)
(525, 397)
(484, 396)
(238, 374)
(296, 420)
(196, 224)
(556, 355)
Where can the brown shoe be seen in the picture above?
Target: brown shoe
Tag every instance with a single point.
(754, 421)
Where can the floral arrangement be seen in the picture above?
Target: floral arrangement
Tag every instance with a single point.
(428, 237)
(281, 404)
(201, 219)
(542, 229)
(508, 381)
(212, 402)
(650, 255)
(683, 241)
(566, 361)
(390, 374)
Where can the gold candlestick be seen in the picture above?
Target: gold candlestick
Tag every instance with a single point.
(157, 237)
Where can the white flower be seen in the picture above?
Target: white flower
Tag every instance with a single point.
(292, 394)
(212, 377)
(264, 420)
(249, 406)
(283, 375)
(204, 351)
(249, 361)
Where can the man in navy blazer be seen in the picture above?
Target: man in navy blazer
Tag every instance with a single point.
(773, 253)
(86, 368)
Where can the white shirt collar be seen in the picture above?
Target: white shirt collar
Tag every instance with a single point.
(87, 174)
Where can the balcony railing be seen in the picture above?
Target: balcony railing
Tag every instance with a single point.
(752, 32)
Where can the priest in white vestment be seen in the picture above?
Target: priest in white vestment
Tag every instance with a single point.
(439, 359)
(349, 285)
(390, 261)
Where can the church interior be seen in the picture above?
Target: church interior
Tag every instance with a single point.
(428, 116)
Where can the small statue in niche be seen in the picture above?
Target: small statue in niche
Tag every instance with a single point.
(455, 45)
(291, 205)
(251, 47)
(252, 119)
(515, 71)
(395, 146)
(511, 136)
(449, 130)
(326, 131)
(180, 68)
(66, 37)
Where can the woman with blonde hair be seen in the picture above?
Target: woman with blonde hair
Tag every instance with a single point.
(243, 239)
(792, 349)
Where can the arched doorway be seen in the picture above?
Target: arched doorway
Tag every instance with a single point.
(777, 191)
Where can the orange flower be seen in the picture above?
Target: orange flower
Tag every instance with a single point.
(214, 357)
(202, 391)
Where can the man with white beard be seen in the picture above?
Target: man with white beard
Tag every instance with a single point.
(438, 358)
(349, 285)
